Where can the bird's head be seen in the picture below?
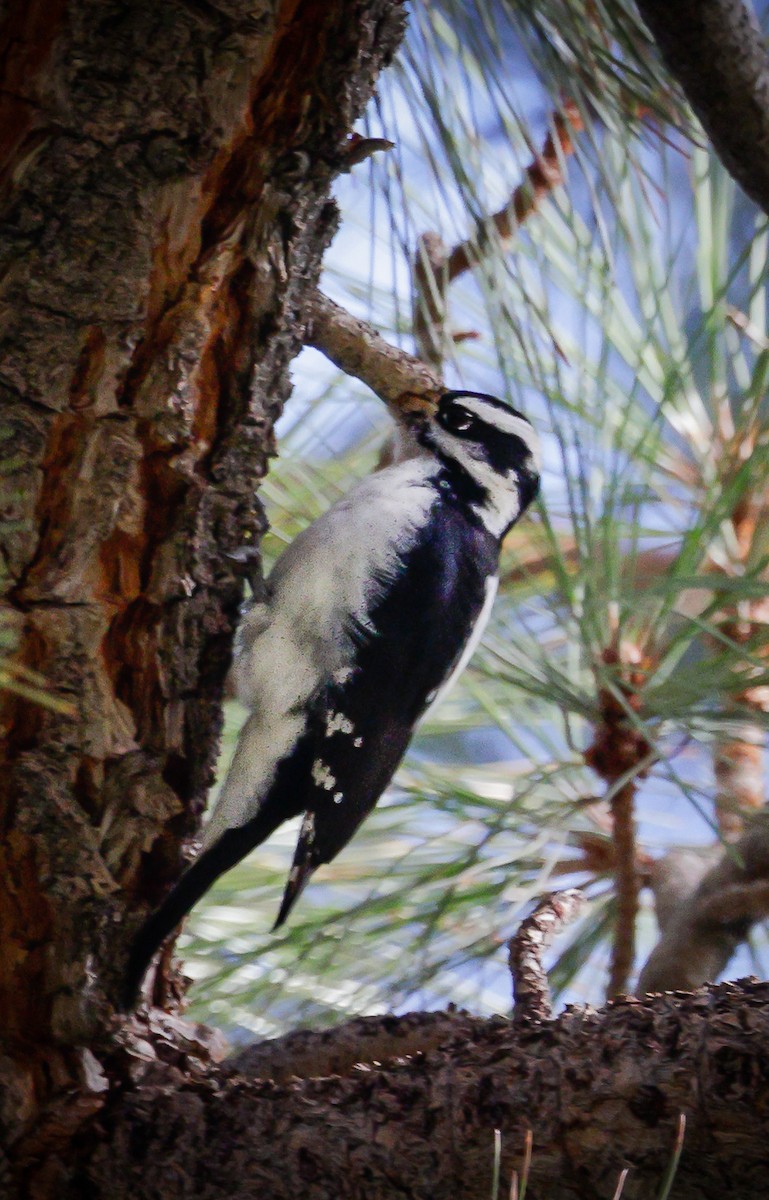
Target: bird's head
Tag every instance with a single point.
(488, 451)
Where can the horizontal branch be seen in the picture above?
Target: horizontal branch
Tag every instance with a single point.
(599, 1091)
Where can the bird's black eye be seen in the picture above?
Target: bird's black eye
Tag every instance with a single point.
(457, 419)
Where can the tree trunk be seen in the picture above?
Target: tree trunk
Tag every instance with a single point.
(164, 205)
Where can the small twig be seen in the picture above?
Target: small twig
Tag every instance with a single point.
(597, 853)
(402, 381)
(396, 377)
(542, 176)
(359, 148)
(627, 885)
(531, 991)
(618, 754)
(435, 267)
(429, 287)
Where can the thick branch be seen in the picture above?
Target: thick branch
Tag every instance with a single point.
(705, 914)
(601, 1091)
(715, 49)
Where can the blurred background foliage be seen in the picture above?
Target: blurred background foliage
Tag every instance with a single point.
(627, 318)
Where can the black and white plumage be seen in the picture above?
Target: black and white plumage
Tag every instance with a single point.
(371, 612)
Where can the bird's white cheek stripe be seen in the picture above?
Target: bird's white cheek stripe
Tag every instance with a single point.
(508, 422)
(503, 504)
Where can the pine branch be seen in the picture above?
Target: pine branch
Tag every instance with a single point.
(617, 754)
(435, 268)
(543, 175)
(715, 49)
(704, 913)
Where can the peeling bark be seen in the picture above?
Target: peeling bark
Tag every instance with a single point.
(164, 206)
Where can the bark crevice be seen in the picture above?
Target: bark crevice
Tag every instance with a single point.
(391, 1106)
(171, 167)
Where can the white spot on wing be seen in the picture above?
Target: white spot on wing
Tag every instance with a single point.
(321, 775)
(338, 723)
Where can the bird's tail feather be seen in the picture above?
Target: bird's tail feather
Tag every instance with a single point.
(305, 863)
(299, 876)
(231, 847)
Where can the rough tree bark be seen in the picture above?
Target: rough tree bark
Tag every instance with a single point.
(600, 1091)
(716, 51)
(164, 190)
(164, 204)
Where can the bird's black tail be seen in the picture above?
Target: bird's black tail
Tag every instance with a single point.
(231, 847)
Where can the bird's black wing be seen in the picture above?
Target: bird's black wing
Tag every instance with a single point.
(359, 726)
(362, 723)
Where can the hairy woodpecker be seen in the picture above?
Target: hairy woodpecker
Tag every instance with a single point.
(371, 613)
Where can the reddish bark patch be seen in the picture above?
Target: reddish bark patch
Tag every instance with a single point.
(27, 37)
(130, 653)
(54, 511)
(88, 370)
(25, 932)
